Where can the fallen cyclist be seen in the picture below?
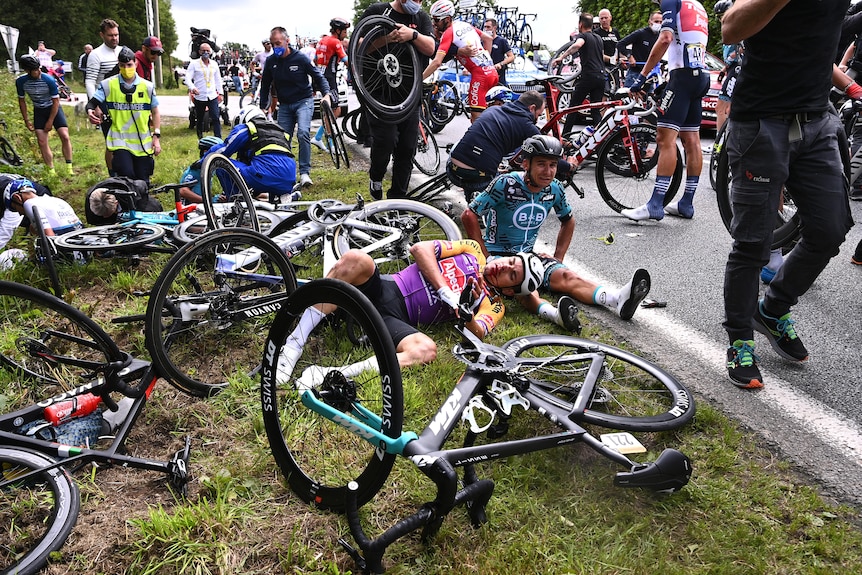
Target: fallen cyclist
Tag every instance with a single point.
(514, 208)
(426, 292)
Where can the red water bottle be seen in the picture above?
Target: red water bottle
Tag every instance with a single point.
(63, 411)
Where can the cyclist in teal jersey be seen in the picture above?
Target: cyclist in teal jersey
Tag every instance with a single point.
(514, 209)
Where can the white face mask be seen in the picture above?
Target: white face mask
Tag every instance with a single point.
(655, 27)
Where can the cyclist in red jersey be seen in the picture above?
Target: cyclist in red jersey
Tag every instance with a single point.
(330, 52)
(474, 53)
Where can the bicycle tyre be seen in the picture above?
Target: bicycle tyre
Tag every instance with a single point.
(443, 103)
(189, 230)
(430, 188)
(205, 324)
(386, 75)
(318, 457)
(632, 393)
(350, 123)
(39, 329)
(45, 252)
(249, 99)
(786, 230)
(718, 144)
(118, 237)
(509, 32)
(243, 214)
(526, 37)
(44, 510)
(416, 221)
(8, 153)
(334, 139)
(427, 156)
(618, 184)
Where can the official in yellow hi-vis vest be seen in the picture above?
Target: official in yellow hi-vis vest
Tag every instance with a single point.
(129, 103)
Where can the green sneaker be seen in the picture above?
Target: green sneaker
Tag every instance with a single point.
(742, 365)
(781, 334)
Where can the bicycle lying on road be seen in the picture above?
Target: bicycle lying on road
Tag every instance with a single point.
(88, 396)
(333, 410)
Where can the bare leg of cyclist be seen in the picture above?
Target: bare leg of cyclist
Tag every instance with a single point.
(66, 143)
(45, 148)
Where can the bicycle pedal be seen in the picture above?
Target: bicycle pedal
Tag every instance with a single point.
(178, 468)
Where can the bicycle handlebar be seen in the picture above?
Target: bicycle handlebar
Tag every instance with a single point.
(172, 187)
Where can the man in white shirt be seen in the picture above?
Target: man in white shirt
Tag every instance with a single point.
(103, 60)
(203, 78)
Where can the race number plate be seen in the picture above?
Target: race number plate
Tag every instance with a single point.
(623, 442)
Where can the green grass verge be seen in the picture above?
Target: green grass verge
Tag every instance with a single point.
(555, 512)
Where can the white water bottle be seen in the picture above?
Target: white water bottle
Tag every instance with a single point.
(116, 418)
(584, 136)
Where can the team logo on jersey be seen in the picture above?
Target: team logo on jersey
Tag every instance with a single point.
(529, 216)
(455, 277)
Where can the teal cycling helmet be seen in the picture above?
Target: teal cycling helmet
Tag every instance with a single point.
(208, 142)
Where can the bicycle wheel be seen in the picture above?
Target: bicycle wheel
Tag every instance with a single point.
(45, 340)
(427, 156)
(219, 176)
(431, 188)
(211, 307)
(8, 154)
(623, 185)
(717, 145)
(526, 37)
(249, 99)
(786, 226)
(443, 103)
(45, 253)
(631, 393)
(386, 75)
(189, 230)
(318, 456)
(118, 237)
(350, 123)
(39, 512)
(386, 230)
(334, 139)
(569, 65)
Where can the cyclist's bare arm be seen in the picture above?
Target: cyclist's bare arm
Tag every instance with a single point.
(470, 221)
(564, 238)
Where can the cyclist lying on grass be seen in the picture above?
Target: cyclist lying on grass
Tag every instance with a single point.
(426, 292)
(515, 206)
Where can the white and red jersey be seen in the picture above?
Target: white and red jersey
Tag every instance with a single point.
(461, 34)
(688, 21)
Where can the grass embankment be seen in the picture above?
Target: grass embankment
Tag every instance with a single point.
(744, 511)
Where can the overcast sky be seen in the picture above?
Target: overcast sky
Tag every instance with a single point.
(249, 21)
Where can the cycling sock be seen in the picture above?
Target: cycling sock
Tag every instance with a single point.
(296, 340)
(607, 298)
(550, 312)
(320, 132)
(688, 195)
(776, 258)
(655, 205)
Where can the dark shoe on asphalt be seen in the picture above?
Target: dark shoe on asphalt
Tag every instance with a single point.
(781, 334)
(568, 311)
(742, 365)
(633, 294)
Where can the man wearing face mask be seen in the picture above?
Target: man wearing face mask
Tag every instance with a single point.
(133, 135)
(203, 78)
(398, 141)
(636, 47)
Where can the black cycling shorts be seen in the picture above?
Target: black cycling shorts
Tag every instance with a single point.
(389, 301)
(40, 118)
(681, 103)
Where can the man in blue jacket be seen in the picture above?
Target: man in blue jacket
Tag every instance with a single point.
(288, 71)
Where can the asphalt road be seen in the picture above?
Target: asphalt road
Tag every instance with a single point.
(810, 413)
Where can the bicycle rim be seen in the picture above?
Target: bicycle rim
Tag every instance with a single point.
(220, 177)
(329, 128)
(386, 75)
(427, 156)
(388, 228)
(443, 103)
(631, 394)
(430, 188)
(623, 185)
(119, 237)
(45, 253)
(318, 457)
(42, 338)
(350, 123)
(306, 260)
(211, 307)
(190, 230)
(39, 512)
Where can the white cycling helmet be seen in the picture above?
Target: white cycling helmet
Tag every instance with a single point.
(442, 8)
(534, 273)
(248, 113)
(498, 95)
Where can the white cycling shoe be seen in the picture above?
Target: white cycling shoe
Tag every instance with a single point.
(639, 214)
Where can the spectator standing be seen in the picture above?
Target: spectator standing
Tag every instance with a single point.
(257, 63)
(203, 79)
(397, 141)
(45, 56)
(683, 37)
(288, 72)
(637, 46)
(47, 112)
(82, 61)
(133, 109)
(233, 72)
(610, 37)
(310, 49)
(501, 53)
(103, 60)
(151, 49)
(591, 83)
(781, 133)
